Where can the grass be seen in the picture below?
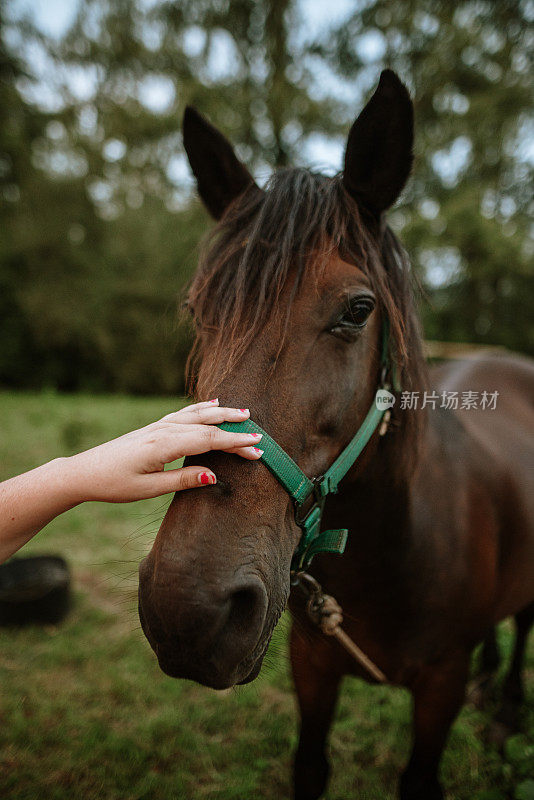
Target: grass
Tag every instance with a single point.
(86, 713)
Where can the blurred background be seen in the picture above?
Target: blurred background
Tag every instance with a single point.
(99, 235)
(98, 217)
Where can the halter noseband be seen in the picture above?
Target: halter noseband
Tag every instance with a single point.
(309, 495)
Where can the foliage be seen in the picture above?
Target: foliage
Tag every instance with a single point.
(99, 225)
(85, 711)
(465, 215)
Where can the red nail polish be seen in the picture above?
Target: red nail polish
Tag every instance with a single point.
(214, 400)
(206, 478)
(257, 450)
(243, 410)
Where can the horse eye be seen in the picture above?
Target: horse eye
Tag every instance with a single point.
(358, 312)
(354, 317)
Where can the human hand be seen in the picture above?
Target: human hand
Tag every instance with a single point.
(132, 466)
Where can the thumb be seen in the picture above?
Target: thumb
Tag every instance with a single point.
(174, 480)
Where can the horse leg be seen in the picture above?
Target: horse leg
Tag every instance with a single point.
(438, 694)
(513, 693)
(481, 686)
(316, 677)
(490, 657)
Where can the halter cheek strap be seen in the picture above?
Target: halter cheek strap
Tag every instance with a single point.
(309, 495)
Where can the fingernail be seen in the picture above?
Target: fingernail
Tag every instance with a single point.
(215, 400)
(207, 477)
(243, 410)
(255, 436)
(258, 451)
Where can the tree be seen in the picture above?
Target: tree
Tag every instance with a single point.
(465, 214)
(98, 216)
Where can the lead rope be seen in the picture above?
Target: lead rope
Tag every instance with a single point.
(327, 614)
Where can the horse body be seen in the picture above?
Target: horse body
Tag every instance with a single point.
(440, 510)
(432, 564)
(506, 436)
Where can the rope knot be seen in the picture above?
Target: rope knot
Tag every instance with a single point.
(326, 612)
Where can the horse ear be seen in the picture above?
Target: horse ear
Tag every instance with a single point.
(221, 177)
(379, 155)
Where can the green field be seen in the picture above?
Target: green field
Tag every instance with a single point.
(86, 713)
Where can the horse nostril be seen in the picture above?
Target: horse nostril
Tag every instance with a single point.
(248, 607)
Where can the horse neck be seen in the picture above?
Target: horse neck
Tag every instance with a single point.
(376, 498)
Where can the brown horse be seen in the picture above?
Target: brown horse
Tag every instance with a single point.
(289, 300)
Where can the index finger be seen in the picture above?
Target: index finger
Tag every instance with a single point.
(209, 414)
(178, 416)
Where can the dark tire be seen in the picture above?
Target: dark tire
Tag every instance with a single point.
(34, 591)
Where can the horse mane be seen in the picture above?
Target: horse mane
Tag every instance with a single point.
(267, 243)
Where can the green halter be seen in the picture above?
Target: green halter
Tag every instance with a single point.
(309, 495)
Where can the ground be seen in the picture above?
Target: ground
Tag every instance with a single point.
(86, 713)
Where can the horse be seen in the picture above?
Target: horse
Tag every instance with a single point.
(290, 298)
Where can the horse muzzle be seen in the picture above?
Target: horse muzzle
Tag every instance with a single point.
(213, 633)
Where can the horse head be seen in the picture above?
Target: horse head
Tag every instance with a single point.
(289, 300)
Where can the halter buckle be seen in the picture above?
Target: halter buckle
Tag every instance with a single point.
(318, 501)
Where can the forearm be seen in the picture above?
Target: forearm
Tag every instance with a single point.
(30, 501)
